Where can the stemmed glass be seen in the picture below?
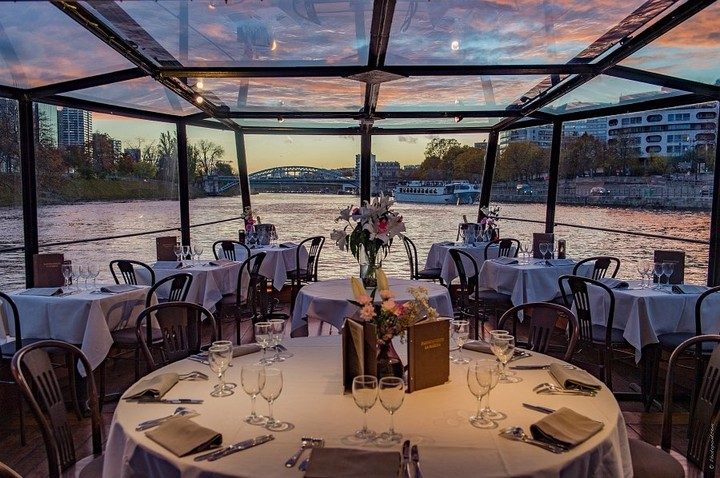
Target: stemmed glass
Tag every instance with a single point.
(277, 331)
(178, 252)
(641, 268)
(543, 249)
(229, 344)
(391, 394)
(219, 357)
(273, 236)
(67, 274)
(658, 269)
(503, 346)
(271, 391)
(479, 391)
(494, 376)
(263, 337)
(253, 380)
(551, 249)
(197, 251)
(94, 272)
(460, 332)
(526, 252)
(668, 268)
(365, 394)
(84, 275)
(186, 252)
(75, 276)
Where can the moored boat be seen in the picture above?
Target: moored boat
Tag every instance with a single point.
(436, 192)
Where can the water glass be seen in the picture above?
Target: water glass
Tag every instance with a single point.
(253, 380)
(263, 337)
(460, 333)
(641, 270)
(186, 252)
(219, 357)
(226, 343)
(178, 252)
(277, 332)
(197, 251)
(391, 394)
(668, 268)
(503, 346)
(543, 249)
(658, 270)
(478, 420)
(494, 377)
(94, 272)
(67, 273)
(273, 379)
(365, 394)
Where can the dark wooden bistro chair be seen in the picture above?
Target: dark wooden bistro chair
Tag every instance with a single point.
(505, 247)
(234, 307)
(225, 249)
(125, 269)
(35, 375)
(602, 266)
(307, 271)
(416, 273)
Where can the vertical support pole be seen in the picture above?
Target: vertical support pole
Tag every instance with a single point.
(553, 176)
(183, 183)
(242, 168)
(365, 162)
(489, 171)
(29, 186)
(713, 275)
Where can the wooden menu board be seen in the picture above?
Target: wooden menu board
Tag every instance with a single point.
(678, 257)
(359, 349)
(166, 248)
(428, 354)
(47, 270)
(539, 237)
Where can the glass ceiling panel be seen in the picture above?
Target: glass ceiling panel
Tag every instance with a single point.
(288, 94)
(453, 93)
(402, 123)
(608, 91)
(500, 31)
(237, 33)
(142, 93)
(298, 123)
(688, 51)
(40, 45)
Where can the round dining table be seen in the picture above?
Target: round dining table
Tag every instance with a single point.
(328, 301)
(312, 400)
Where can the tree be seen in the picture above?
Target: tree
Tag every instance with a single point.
(9, 136)
(209, 154)
(582, 154)
(439, 147)
(167, 156)
(522, 160)
(224, 169)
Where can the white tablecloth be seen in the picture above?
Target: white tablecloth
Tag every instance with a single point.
(209, 283)
(525, 282)
(643, 314)
(439, 257)
(278, 261)
(436, 419)
(82, 318)
(328, 301)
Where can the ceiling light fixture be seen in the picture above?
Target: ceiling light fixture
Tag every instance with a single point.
(200, 85)
(455, 45)
(199, 99)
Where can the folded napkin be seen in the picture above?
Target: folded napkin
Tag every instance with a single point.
(154, 387)
(43, 291)
(349, 463)
(573, 378)
(446, 243)
(183, 436)
(219, 262)
(478, 346)
(240, 350)
(505, 260)
(167, 265)
(688, 289)
(565, 427)
(559, 262)
(613, 283)
(117, 288)
(288, 245)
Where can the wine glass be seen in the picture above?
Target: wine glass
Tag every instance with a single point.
(226, 343)
(178, 251)
(186, 252)
(543, 249)
(94, 272)
(494, 371)
(503, 346)
(668, 268)
(277, 331)
(197, 251)
(641, 270)
(271, 391)
(263, 337)
(391, 394)
(219, 357)
(253, 380)
(478, 420)
(551, 249)
(75, 276)
(658, 270)
(460, 333)
(526, 252)
(273, 236)
(67, 274)
(365, 394)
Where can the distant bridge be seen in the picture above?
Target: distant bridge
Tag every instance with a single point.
(286, 179)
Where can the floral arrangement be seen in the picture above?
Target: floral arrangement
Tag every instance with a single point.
(391, 318)
(488, 223)
(372, 228)
(247, 216)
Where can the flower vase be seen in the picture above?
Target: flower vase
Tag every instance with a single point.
(367, 274)
(388, 360)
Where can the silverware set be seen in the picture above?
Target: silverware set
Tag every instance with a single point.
(307, 442)
(410, 461)
(552, 389)
(316, 443)
(229, 450)
(179, 412)
(193, 376)
(518, 434)
(540, 367)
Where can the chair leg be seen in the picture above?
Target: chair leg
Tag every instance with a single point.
(607, 368)
(238, 331)
(650, 369)
(101, 381)
(20, 399)
(137, 363)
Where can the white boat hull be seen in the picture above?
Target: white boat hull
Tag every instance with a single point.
(460, 198)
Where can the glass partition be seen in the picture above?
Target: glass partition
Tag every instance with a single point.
(101, 176)
(12, 258)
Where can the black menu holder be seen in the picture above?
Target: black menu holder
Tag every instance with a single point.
(359, 349)
(678, 257)
(47, 270)
(428, 354)
(538, 238)
(166, 248)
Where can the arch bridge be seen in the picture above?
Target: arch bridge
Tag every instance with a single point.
(287, 179)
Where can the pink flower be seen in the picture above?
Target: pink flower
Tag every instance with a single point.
(367, 312)
(356, 211)
(365, 299)
(389, 305)
(399, 309)
(387, 294)
(382, 226)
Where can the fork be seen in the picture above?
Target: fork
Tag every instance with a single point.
(305, 443)
(316, 443)
(552, 389)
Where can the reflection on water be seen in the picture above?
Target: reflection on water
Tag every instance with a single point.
(298, 216)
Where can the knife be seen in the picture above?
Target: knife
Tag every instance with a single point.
(538, 408)
(243, 445)
(195, 358)
(174, 401)
(406, 458)
(530, 367)
(416, 461)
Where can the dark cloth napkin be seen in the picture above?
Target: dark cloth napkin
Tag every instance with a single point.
(117, 288)
(288, 245)
(505, 260)
(220, 262)
(478, 346)
(154, 387)
(183, 436)
(613, 283)
(688, 289)
(573, 378)
(446, 243)
(167, 265)
(560, 262)
(240, 350)
(43, 291)
(565, 427)
(350, 463)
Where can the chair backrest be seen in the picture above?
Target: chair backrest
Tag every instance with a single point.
(578, 292)
(125, 269)
(601, 267)
(35, 375)
(543, 319)
(181, 333)
(698, 309)
(468, 285)
(316, 244)
(14, 317)
(245, 282)
(411, 251)
(225, 249)
(505, 247)
(703, 427)
(7, 472)
(179, 287)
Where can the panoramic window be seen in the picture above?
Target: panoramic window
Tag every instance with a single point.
(12, 259)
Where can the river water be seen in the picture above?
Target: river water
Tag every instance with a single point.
(298, 216)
